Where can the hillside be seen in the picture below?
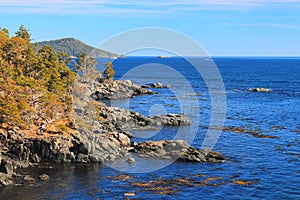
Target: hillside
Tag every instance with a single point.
(74, 47)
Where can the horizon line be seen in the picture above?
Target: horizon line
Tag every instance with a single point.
(215, 56)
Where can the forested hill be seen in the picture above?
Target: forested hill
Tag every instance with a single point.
(74, 47)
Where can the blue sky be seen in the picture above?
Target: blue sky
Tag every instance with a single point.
(222, 27)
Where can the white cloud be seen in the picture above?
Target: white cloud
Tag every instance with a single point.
(118, 7)
(274, 25)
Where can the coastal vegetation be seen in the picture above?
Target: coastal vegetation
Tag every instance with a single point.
(109, 71)
(34, 86)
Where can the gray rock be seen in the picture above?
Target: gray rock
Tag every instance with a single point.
(5, 180)
(130, 160)
(44, 177)
(156, 85)
(82, 158)
(28, 178)
(119, 89)
(6, 167)
(259, 90)
(178, 150)
(124, 139)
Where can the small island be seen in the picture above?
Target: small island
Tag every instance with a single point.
(163, 56)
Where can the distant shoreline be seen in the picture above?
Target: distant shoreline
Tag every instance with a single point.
(218, 57)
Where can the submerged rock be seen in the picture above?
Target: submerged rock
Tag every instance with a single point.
(244, 182)
(129, 194)
(254, 133)
(130, 160)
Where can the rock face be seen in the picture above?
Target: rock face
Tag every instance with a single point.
(6, 167)
(63, 149)
(259, 90)
(6, 170)
(119, 89)
(103, 147)
(19, 152)
(177, 150)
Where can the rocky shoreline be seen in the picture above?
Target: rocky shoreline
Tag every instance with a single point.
(110, 141)
(119, 89)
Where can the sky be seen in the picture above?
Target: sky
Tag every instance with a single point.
(221, 27)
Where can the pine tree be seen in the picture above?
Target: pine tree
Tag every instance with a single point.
(109, 71)
(32, 84)
(23, 33)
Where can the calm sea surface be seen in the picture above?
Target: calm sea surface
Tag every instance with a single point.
(271, 165)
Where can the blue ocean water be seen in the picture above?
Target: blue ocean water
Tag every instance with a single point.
(272, 165)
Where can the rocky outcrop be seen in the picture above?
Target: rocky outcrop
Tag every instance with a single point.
(17, 151)
(63, 149)
(259, 90)
(170, 120)
(102, 147)
(175, 150)
(126, 120)
(119, 89)
(156, 85)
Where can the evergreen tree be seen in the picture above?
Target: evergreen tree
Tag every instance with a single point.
(109, 71)
(87, 66)
(23, 33)
(32, 84)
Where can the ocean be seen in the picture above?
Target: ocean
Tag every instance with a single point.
(256, 167)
